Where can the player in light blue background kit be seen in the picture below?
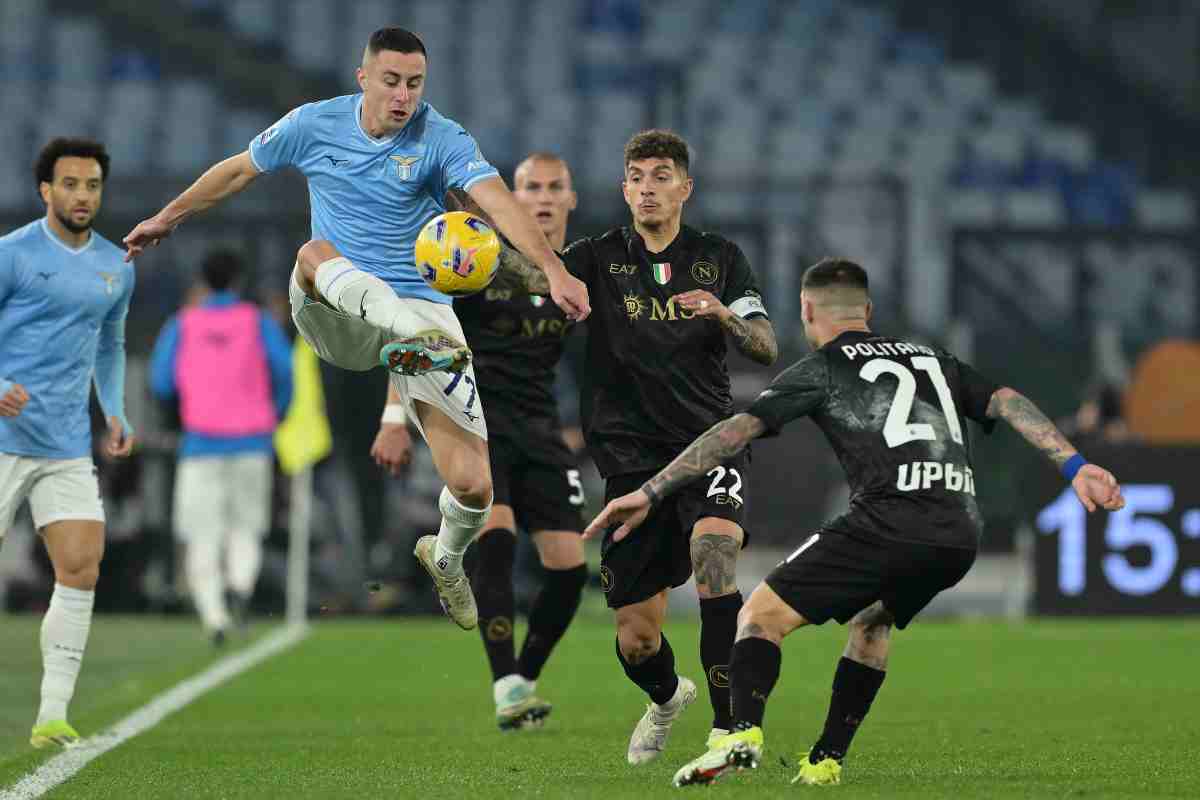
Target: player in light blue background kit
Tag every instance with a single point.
(64, 295)
(379, 164)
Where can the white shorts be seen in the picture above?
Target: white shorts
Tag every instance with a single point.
(350, 343)
(57, 489)
(216, 495)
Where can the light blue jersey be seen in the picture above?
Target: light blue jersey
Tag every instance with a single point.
(62, 320)
(370, 197)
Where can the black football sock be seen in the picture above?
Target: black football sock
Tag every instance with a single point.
(656, 675)
(551, 613)
(854, 687)
(753, 671)
(718, 626)
(492, 583)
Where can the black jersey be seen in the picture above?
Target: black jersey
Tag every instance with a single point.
(516, 340)
(655, 376)
(895, 414)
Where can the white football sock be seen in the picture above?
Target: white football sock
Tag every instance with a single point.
(203, 565)
(459, 528)
(358, 294)
(64, 637)
(243, 559)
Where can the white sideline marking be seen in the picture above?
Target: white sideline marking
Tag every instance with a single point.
(62, 766)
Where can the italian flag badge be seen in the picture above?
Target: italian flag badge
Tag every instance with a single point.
(662, 273)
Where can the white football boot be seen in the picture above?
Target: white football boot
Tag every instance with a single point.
(650, 736)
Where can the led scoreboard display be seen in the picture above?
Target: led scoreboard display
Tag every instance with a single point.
(1143, 559)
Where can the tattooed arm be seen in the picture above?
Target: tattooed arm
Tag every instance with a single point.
(516, 271)
(720, 442)
(1095, 486)
(754, 338)
(1028, 420)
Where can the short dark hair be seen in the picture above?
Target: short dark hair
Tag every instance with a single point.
(839, 272)
(64, 147)
(399, 40)
(658, 143)
(221, 268)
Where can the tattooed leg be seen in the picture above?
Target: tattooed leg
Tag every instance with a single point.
(766, 616)
(714, 561)
(870, 633)
(715, 546)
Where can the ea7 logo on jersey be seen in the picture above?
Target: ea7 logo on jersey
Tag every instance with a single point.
(622, 269)
(404, 165)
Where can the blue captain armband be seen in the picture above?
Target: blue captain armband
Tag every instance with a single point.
(1072, 466)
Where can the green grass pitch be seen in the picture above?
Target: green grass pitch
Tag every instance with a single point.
(402, 708)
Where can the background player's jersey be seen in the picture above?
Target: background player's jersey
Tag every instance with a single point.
(370, 197)
(61, 311)
(516, 340)
(895, 414)
(656, 376)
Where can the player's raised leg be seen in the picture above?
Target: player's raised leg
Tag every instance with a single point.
(753, 670)
(648, 661)
(75, 548)
(860, 673)
(323, 273)
(461, 459)
(715, 545)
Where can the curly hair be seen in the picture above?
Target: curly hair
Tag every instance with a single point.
(62, 147)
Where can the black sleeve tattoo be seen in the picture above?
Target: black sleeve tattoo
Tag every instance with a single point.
(719, 443)
(754, 338)
(1029, 421)
(516, 271)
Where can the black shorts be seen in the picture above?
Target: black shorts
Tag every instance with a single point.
(657, 555)
(545, 494)
(835, 575)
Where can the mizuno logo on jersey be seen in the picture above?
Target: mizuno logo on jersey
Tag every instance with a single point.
(404, 165)
(45, 275)
(336, 162)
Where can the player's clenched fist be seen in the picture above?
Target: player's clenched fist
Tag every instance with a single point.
(147, 233)
(13, 400)
(1096, 487)
(393, 447)
(571, 295)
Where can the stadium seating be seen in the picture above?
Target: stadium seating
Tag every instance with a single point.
(840, 71)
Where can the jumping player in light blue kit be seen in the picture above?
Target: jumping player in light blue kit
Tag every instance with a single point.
(64, 294)
(379, 165)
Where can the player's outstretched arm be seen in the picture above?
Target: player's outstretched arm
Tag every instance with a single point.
(220, 181)
(502, 210)
(719, 443)
(1095, 486)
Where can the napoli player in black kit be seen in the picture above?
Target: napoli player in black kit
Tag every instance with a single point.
(517, 340)
(895, 414)
(674, 299)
